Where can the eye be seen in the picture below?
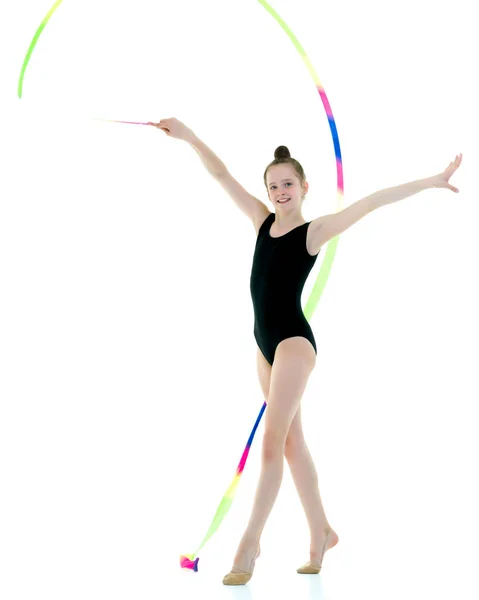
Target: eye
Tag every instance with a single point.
(287, 183)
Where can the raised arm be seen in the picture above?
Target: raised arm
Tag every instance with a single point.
(251, 206)
(328, 227)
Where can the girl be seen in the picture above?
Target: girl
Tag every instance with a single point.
(286, 250)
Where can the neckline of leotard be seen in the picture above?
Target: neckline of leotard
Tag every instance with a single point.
(280, 236)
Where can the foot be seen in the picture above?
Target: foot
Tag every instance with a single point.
(243, 565)
(245, 559)
(323, 542)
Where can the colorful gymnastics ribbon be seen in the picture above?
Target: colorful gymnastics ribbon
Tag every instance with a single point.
(189, 561)
(33, 44)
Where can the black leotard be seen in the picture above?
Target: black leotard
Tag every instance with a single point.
(280, 268)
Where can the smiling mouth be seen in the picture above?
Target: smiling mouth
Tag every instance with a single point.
(284, 201)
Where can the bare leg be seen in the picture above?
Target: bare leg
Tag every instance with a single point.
(266, 493)
(294, 361)
(305, 478)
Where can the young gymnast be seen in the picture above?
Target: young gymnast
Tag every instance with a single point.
(286, 250)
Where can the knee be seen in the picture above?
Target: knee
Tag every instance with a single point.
(273, 445)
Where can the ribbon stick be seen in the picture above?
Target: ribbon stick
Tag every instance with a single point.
(128, 122)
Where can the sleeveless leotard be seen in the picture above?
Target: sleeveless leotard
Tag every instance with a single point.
(279, 271)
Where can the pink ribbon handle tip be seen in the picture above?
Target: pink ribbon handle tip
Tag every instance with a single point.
(127, 122)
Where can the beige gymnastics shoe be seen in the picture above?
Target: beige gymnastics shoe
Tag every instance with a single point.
(240, 578)
(310, 568)
(237, 578)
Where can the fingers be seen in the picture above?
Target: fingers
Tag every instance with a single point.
(455, 164)
(161, 125)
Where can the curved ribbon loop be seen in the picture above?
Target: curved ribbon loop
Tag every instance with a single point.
(189, 561)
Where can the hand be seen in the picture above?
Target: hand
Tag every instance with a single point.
(442, 180)
(174, 128)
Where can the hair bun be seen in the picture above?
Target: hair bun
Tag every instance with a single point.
(282, 152)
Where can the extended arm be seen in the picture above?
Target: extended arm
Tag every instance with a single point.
(214, 165)
(329, 226)
(250, 205)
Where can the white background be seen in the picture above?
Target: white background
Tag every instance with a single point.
(128, 381)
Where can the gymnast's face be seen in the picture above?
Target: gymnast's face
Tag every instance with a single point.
(284, 187)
